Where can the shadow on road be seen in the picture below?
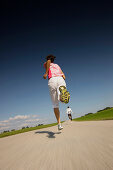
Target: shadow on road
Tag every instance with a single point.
(50, 134)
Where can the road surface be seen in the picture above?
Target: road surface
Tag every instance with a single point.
(79, 146)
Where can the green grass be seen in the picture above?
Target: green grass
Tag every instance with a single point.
(25, 130)
(102, 115)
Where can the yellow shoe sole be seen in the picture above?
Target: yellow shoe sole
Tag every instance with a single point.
(64, 94)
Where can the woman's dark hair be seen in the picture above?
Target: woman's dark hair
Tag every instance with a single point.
(50, 57)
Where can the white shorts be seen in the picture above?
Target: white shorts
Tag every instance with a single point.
(54, 83)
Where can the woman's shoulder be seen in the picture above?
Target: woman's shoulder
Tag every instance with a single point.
(55, 64)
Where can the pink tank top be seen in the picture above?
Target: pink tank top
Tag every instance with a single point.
(54, 71)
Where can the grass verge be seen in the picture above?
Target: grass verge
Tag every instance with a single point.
(102, 115)
(25, 130)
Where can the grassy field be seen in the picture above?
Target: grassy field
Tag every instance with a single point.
(25, 130)
(102, 115)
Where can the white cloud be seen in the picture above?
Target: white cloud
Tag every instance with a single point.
(19, 121)
(19, 117)
(4, 121)
(4, 128)
(3, 124)
(34, 116)
(23, 125)
(32, 120)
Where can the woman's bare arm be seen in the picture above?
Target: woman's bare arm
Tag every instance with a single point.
(63, 75)
(47, 69)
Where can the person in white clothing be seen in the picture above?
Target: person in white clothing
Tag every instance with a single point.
(69, 112)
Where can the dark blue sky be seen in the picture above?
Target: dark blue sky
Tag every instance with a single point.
(79, 34)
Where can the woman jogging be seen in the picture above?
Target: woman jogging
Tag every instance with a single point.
(57, 86)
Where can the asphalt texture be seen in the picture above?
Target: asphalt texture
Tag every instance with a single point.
(79, 146)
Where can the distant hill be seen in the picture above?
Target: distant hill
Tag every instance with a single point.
(107, 108)
(105, 114)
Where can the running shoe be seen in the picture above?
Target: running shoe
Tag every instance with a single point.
(64, 94)
(60, 127)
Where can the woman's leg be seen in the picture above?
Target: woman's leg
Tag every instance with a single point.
(70, 117)
(57, 114)
(54, 97)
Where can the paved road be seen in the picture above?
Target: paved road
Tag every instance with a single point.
(80, 146)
